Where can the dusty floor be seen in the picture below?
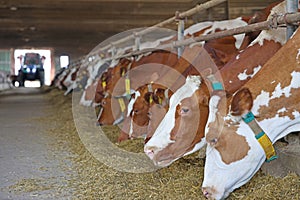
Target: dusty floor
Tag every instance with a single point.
(30, 168)
(42, 157)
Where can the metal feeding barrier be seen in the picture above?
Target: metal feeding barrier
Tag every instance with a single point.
(179, 17)
(287, 19)
(274, 22)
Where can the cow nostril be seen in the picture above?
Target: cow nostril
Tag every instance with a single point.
(207, 192)
(99, 124)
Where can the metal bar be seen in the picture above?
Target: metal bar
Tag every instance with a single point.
(291, 7)
(274, 22)
(196, 9)
(182, 15)
(180, 36)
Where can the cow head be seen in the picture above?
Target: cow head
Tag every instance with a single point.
(111, 109)
(233, 155)
(137, 120)
(101, 85)
(173, 138)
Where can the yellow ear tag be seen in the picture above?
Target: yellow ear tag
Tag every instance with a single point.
(150, 99)
(103, 84)
(123, 72)
(122, 104)
(127, 85)
(160, 100)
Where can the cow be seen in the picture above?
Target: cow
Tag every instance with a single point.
(233, 75)
(221, 50)
(69, 80)
(91, 71)
(136, 121)
(142, 71)
(240, 138)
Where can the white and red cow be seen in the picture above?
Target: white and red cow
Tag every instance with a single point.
(234, 74)
(221, 50)
(265, 110)
(70, 78)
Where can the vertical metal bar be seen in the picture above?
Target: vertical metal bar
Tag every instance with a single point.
(137, 42)
(180, 33)
(291, 7)
(113, 51)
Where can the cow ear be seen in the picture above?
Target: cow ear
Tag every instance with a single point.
(241, 102)
(132, 96)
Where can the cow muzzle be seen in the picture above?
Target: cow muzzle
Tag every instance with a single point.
(151, 151)
(207, 192)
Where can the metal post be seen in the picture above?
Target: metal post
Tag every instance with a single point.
(137, 42)
(113, 51)
(180, 32)
(291, 7)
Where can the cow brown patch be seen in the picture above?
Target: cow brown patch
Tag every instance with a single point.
(231, 146)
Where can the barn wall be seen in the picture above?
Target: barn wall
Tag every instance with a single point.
(230, 9)
(246, 7)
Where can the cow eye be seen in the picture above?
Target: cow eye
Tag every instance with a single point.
(213, 142)
(136, 111)
(184, 110)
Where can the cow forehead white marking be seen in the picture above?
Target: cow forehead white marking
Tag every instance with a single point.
(161, 136)
(131, 102)
(244, 75)
(129, 109)
(213, 110)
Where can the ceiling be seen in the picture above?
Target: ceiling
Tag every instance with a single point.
(74, 27)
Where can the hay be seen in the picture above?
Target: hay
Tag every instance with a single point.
(182, 180)
(29, 185)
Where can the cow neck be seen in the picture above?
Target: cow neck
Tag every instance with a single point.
(261, 137)
(249, 119)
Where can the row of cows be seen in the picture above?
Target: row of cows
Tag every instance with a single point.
(236, 95)
(5, 81)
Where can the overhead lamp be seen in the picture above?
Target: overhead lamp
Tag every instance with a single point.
(26, 39)
(32, 28)
(13, 8)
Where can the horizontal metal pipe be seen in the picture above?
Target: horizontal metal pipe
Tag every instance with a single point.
(274, 22)
(185, 14)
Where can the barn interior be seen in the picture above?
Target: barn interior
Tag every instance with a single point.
(53, 145)
(74, 28)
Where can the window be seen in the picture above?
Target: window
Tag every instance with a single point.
(64, 61)
(5, 60)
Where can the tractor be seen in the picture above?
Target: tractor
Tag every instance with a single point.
(31, 68)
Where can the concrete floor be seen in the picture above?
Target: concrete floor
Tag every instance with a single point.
(29, 168)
